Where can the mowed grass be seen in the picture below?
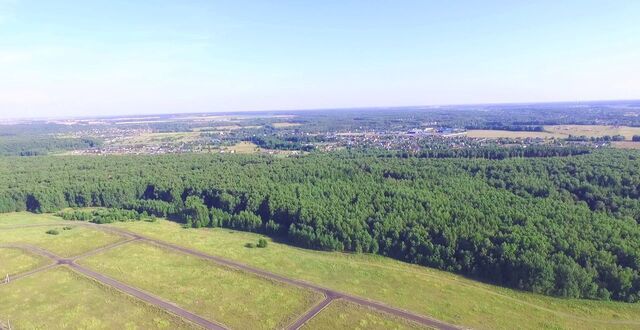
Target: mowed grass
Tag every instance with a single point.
(594, 130)
(423, 290)
(231, 297)
(15, 261)
(61, 299)
(341, 314)
(67, 243)
(25, 218)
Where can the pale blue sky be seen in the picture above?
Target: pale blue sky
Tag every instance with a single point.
(62, 58)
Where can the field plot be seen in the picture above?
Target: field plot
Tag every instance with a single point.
(66, 243)
(243, 147)
(25, 218)
(422, 290)
(626, 145)
(157, 138)
(344, 315)
(495, 134)
(14, 261)
(285, 124)
(230, 297)
(593, 130)
(61, 299)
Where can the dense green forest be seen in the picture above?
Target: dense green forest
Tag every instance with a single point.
(565, 226)
(41, 145)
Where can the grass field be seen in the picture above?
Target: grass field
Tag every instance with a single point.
(243, 147)
(66, 244)
(15, 261)
(594, 130)
(157, 138)
(626, 145)
(234, 298)
(344, 315)
(25, 218)
(495, 134)
(61, 299)
(422, 290)
(560, 131)
(285, 125)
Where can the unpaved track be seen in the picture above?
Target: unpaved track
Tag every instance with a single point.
(166, 305)
(429, 322)
(329, 294)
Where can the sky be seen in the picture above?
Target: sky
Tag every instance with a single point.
(82, 58)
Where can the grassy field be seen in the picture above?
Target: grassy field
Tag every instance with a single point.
(423, 290)
(243, 147)
(25, 218)
(560, 131)
(157, 138)
(626, 145)
(495, 134)
(285, 125)
(344, 315)
(15, 261)
(66, 244)
(61, 299)
(234, 298)
(593, 130)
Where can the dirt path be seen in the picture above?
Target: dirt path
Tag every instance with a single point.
(166, 305)
(429, 322)
(315, 310)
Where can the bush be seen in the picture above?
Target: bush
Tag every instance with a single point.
(262, 243)
(53, 232)
(250, 245)
(67, 228)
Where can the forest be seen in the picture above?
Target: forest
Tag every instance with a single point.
(565, 226)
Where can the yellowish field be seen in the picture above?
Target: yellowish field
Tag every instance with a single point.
(344, 315)
(66, 244)
(426, 291)
(236, 299)
(494, 134)
(626, 145)
(157, 138)
(243, 147)
(593, 130)
(285, 125)
(15, 261)
(61, 299)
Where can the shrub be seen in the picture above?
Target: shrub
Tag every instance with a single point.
(250, 245)
(67, 228)
(262, 243)
(53, 232)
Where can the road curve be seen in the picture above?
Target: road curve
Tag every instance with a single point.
(429, 322)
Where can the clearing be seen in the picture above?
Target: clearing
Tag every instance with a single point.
(61, 299)
(231, 297)
(422, 290)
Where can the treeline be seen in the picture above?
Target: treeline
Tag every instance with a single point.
(498, 152)
(565, 226)
(274, 142)
(102, 216)
(605, 138)
(42, 145)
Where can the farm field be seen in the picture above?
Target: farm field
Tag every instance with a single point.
(67, 243)
(593, 130)
(495, 134)
(243, 147)
(233, 298)
(285, 124)
(344, 315)
(422, 290)
(626, 145)
(560, 131)
(61, 299)
(14, 261)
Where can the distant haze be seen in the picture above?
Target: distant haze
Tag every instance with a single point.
(82, 58)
